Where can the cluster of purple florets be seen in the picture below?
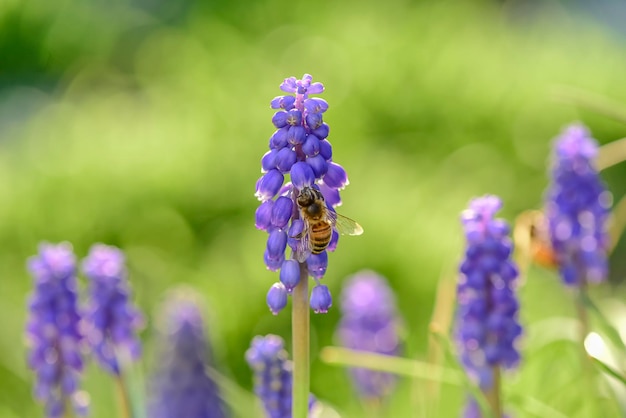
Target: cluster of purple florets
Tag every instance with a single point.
(181, 386)
(268, 360)
(299, 148)
(111, 320)
(577, 209)
(487, 318)
(52, 330)
(369, 322)
(56, 329)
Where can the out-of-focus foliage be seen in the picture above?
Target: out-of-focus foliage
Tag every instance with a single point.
(140, 123)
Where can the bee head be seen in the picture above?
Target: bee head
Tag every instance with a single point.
(308, 196)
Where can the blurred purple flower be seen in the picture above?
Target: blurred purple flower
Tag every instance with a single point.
(52, 330)
(472, 410)
(369, 322)
(487, 325)
(298, 148)
(111, 320)
(181, 386)
(272, 375)
(577, 209)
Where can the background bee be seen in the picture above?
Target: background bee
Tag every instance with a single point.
(319, 222)
(533, 240)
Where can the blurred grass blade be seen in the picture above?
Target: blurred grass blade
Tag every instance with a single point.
(469, 386)
(611, 154)
(591, 101)
(135, 385)
(606, 325)
(241, 402)
(610, 370)
(441, 320)
(535, 407)
(618, 222)
(396, 365)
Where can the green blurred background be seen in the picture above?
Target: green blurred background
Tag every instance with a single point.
(141, 123)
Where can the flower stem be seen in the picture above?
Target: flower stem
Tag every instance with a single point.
(300, 335)
(124, 405)
(493, 393)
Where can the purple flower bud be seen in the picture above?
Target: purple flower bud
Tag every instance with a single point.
(317, 264)
(280, 138)
(314, 120)
(263, 215)
(316, 105)
(296, 135)
(326, 149)
(277, 298)
(283, 102)
(52, 330)
(112, 321)
(296, 228)
(280, 119)
(281, 212)
(289, 85)
(311, 146)
(336, 176)
(318, 164)
(285, 159)
(181, 386)
(294, 117)
(321, 300)
(273, 264)
(269, 184)
(332, 245)
(369, 322)
(331, 196)
(290, 274)
(577, 209)
(322, 132)
(268, 161)
(276, 243)
(486, 325)
(302, 175)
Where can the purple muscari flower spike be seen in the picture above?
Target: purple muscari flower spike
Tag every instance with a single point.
(272, 375)
(487, 326)
(181, 386)
(297, 149)
(111, 320)
(52, 330)
(369, 322)
(577, 209)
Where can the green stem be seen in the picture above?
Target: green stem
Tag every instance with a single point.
(300, 323)
(123, 398)
(493, 393)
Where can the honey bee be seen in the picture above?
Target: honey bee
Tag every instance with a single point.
(319, 222)
(532, 237)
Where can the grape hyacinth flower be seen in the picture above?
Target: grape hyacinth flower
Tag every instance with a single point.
(181, 386)
(111, 320)
(299, 156)
(577, 209)
(267, 358)
(52, 330)
(487, 325)
(369, 322)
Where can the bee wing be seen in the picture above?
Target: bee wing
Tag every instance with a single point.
(343, 224)
(303, 247)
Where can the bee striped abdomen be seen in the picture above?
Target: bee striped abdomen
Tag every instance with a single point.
(320, 235)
